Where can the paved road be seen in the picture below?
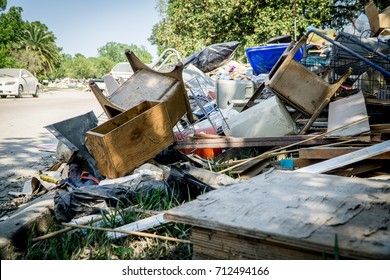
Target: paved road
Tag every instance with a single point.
(25, 145)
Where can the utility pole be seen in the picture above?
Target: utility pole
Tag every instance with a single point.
(295, 20)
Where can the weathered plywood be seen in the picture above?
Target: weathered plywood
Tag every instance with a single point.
(299, 210)
(345, 111)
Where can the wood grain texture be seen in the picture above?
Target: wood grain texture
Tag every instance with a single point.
(331, 152)
(232, 142)
(349, 158)
(299, 210)
(130, 139)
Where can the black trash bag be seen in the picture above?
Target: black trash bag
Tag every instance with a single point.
(212, 57)
(185, 186)
(71, 202)
(170, 156)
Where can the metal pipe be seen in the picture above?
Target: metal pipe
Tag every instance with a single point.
(352, 53)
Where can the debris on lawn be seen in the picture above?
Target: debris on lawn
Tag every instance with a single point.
(274, 159)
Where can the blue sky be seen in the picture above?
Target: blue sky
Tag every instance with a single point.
(83, 26)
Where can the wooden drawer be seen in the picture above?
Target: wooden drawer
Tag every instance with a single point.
(130, 139)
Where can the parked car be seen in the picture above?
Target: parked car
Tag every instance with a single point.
(122, 71)
(17, 82)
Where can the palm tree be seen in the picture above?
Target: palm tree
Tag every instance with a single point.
(38, 43)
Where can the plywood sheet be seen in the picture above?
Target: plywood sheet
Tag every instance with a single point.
(346, 111)
(301, 210)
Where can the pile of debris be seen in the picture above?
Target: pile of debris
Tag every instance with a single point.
(292, 130)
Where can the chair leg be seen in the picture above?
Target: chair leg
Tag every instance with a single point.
(314, 116)
(326, 100)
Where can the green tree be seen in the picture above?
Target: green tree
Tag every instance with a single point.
(102, 66)
(116, 52)
(3, 5)
(81, 67)
(11, 26)
(190, 25)
(37, 50)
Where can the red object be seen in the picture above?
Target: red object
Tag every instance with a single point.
(206, 153)
(85, 175)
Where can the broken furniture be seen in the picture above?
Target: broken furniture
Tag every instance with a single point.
(290, 215)
(147, 84)
(299, 87)
(131, 138)
(378, 21)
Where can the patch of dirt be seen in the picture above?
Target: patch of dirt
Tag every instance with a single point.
(14, 176)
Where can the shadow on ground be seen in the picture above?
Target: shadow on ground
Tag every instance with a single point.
(21, 158)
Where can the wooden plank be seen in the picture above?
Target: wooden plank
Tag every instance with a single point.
(231, 142)
(346, 159)
(360, 168)
(299, 210)
(332, 152)
(375, 101)
(384, 126)
(211, 244)
(348, 110)
(141, 225)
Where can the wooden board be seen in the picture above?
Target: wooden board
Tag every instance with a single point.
(212, 244)
(345, 111)
(349, 158)
(301, 211)
(332, 152)
(232, 142)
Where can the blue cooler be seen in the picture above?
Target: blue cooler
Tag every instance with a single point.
(263, 58)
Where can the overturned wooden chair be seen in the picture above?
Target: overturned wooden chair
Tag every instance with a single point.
(142, 112)
(299, 87)
(147, 84)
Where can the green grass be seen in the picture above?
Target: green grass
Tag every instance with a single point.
(94, 245)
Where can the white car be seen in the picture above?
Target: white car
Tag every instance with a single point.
(122, 71)
(17, 82)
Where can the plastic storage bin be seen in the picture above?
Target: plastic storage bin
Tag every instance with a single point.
(263, 58)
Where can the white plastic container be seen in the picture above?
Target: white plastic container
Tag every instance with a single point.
(228, 90)
(265, 119)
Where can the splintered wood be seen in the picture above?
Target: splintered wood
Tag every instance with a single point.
(290, 215)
